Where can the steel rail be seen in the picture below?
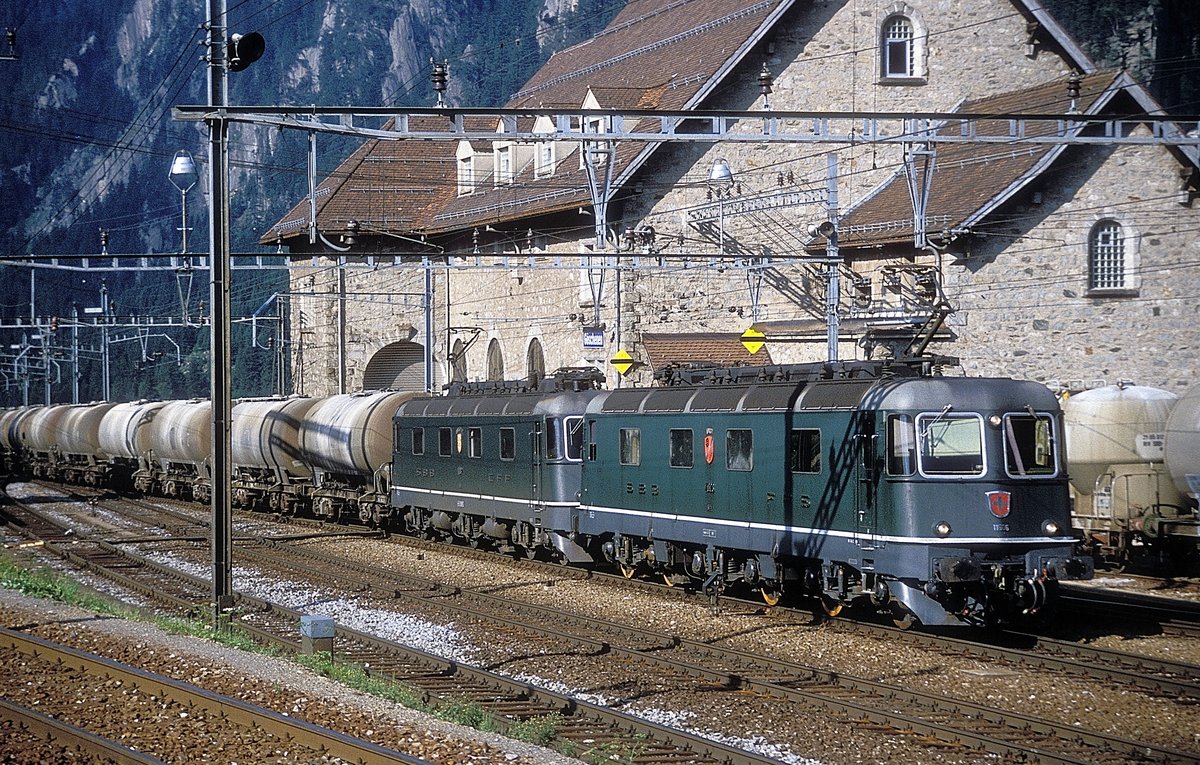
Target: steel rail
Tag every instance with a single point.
(235, 711)
(71, 736)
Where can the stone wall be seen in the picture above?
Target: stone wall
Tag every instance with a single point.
(1018, 287)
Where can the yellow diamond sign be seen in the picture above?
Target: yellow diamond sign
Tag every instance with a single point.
(622, 361)
(753, 340)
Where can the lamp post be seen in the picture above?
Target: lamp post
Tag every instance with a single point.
(183, 176)
(720, 179)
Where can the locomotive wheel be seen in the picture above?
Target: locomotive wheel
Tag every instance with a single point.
(626, 571)
(668, 579)
(771, 596)
(830, 606)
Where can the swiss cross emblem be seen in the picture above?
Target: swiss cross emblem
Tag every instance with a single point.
(999, 502)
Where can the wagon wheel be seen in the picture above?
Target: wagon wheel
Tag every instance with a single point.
(770, 595)
(830, 606)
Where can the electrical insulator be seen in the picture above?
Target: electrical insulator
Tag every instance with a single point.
(440, 76)
(764, 80)
(53, 323)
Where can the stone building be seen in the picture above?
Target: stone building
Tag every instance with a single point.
(1066, 264)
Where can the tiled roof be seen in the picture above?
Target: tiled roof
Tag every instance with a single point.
(970, 179)
(722, 349)
(661, 54)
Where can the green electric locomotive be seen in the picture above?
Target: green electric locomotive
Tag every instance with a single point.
(935, 499)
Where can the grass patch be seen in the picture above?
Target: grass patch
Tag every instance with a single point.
(354, 676)
(542, 730)
(47, 584)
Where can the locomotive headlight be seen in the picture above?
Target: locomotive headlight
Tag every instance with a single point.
(942, 529)
(994, 420)
(1050, 529)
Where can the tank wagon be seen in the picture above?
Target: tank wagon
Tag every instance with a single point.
(61, 442)
(1126, 503)
(1181, 449)
(125, 436)
(496, 463)
(269, 471)
(178, 462)
(942, 500)
(10, 438)
(347, 442)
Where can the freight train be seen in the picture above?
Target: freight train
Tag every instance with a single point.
(940, 500)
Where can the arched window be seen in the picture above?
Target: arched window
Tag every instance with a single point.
(495, 361)
(458, 366)
(898, 48)
(535, 360)
(1106, 256)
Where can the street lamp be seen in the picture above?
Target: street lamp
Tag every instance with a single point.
(183, 175)
(720, 179)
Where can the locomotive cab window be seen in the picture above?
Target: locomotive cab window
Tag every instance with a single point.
(739, 449)
(475, 442)
(950, 444)
(804, 451)
(682, 449)
(631, 446)
(573, 437)
(564, 438)
(508, 444)
(418, 441)
(445, 442)
(1029, 445)
(901, 445)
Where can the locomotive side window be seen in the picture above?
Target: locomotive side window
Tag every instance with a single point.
(508, 443)
(591, 439)
(445, 442)
(950, 444)
(474, 442)
(804, 452)
(418, 441)
(552, 451)
(631, 446)
(573, 430)
(901, 446)
(739, 449)
(682, 450)
(1029, 445)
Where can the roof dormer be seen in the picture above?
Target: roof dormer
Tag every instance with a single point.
(472, 166)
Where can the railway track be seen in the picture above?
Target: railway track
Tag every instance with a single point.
(1168, 679)
(590, 727)
(938, 720)
(157, 714)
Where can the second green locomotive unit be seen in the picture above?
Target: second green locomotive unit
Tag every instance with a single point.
(942, 500)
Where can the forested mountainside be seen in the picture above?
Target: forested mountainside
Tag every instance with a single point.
(87, 135)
